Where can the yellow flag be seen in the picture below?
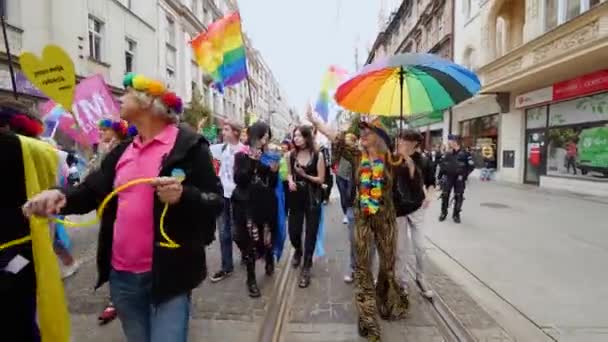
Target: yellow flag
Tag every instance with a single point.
(41, 165)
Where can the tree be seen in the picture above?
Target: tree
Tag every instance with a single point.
(197, 111)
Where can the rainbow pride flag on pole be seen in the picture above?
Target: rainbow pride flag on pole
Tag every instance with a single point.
(333, 77)
(220, 51)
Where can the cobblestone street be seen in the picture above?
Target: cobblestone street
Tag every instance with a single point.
(324, 312)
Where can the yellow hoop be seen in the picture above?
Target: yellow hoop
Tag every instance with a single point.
(168, 243)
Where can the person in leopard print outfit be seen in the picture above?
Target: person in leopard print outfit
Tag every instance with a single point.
(375, 222)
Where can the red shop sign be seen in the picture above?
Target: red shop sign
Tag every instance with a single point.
(588, 84)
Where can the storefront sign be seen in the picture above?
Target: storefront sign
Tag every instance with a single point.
(533, 98)
(580, 86)
(588, 84)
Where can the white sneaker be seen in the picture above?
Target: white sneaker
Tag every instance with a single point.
(348, 278)
(424, 288)
(345, 220)
(68, 271)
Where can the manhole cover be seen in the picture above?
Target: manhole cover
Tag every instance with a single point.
(494, 205)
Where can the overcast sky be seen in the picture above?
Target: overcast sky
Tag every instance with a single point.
(299, 39)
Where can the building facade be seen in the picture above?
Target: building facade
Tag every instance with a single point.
(417, 26)
(112, 37)
(544, 75)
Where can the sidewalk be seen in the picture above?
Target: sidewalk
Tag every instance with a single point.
(542, 252)
(325, 312)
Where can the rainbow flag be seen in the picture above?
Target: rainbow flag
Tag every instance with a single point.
(331, 80)
(220, 51)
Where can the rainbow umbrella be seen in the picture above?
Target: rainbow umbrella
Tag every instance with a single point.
(406, 84)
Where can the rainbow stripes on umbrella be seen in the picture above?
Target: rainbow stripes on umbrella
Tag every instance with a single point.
(430, 84)
(220, 51)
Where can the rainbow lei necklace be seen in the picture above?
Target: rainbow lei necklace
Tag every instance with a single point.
(371, 182)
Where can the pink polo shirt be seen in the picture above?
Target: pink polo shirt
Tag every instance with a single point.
(134, 226)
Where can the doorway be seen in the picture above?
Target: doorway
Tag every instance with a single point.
(536, 156)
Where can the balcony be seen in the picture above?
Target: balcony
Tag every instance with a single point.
(15, 40)
(574, 48)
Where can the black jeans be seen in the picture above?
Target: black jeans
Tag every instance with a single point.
(346, 193)
(329, 181)
(296, 225)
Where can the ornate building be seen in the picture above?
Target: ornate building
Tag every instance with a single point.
(544, 75)
(418, 26)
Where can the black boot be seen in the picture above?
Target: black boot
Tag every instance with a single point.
(305, 274)
(458, 199)
(304, 278)
(252, 284)
(297, 259)
(269, 263)
(445, 198)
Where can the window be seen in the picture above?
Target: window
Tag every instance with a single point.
(131, 46)
(439, 24)
(573, 9)
(170, 77)
(467, 9)
(500, 37)
(95, 38)
(170, 58)
(558, 12)
(205, 15)
(550, 14)
(170, 32)
(195, 7)
(468, 59)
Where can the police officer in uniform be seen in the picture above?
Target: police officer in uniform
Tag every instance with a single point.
(454, 168)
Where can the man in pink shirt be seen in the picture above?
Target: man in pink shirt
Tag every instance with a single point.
(150, 282)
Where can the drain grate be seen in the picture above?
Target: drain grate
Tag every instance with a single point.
(494, 205)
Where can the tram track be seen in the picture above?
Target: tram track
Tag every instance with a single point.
(278, 313)
(452, 329)
(276, 318)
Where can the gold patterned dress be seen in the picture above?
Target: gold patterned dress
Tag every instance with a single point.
(379, 226)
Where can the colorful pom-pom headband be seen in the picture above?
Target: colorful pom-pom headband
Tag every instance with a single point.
(154, 88)
(121, 127)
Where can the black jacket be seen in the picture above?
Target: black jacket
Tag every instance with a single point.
(190, 223)
(456, 163)
(408, 192)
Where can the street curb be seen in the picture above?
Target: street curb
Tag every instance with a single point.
(273, 322)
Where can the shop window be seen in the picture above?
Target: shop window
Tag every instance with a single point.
(480, 133)
(578, 138)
